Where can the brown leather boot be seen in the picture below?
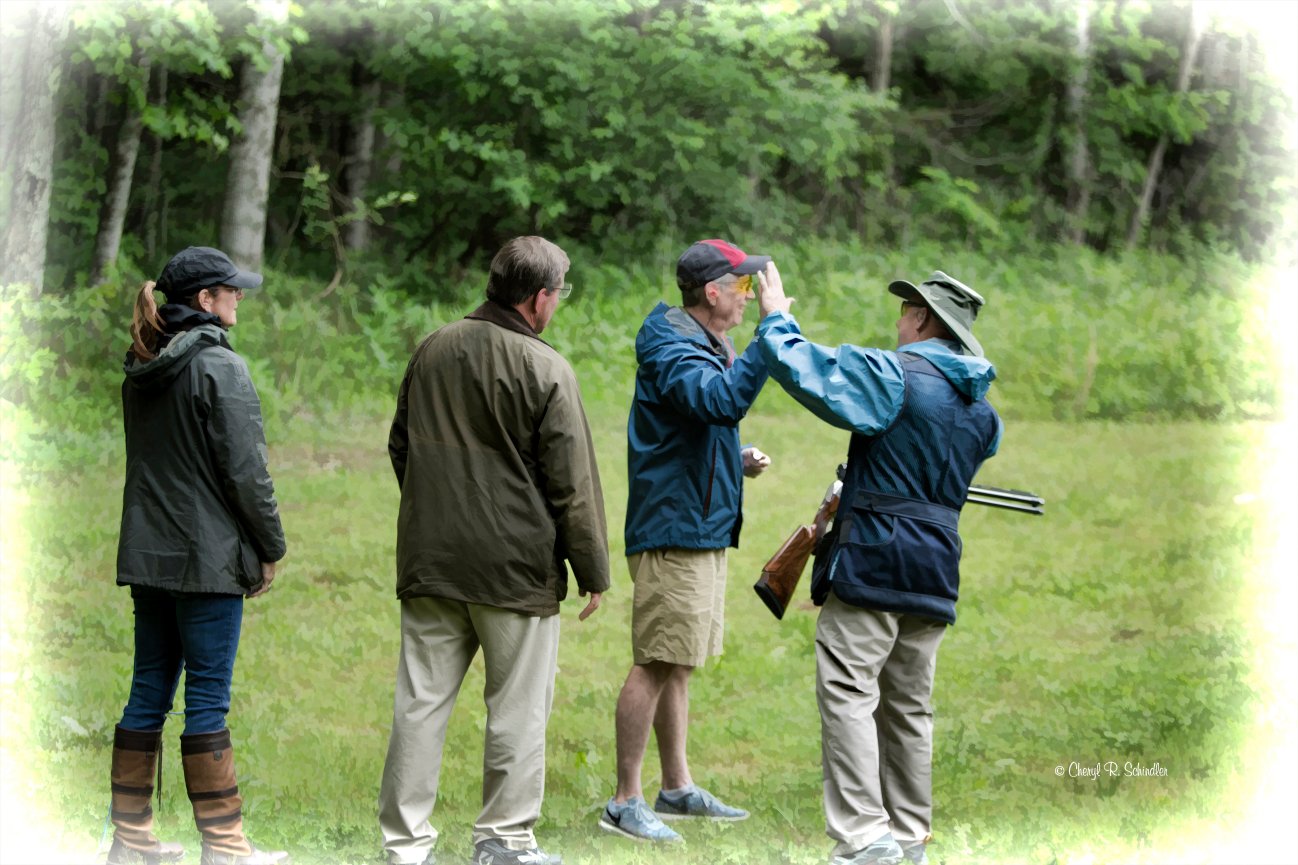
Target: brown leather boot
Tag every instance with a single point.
(218, 808)
(135, 760)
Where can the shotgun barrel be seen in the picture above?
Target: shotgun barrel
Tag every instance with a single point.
(1010, 500)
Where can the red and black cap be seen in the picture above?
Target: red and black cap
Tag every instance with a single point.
(708, 259)
(198, 267)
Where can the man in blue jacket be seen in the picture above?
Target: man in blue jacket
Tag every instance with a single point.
(686, 468)
(921, 426)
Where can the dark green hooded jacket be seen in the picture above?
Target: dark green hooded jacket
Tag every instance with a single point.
(198, 511)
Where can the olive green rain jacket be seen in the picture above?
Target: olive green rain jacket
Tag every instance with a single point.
(199, 511)
(494, 457)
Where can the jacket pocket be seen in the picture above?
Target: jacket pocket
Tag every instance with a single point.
(248, 568)
(899, 553)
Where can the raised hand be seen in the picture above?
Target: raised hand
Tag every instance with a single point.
(770, 291)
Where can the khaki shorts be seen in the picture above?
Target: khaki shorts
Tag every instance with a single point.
(678, 611)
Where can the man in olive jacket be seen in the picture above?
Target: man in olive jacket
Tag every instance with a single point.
(499, 489)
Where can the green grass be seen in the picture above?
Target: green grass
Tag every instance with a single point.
(1114, 628)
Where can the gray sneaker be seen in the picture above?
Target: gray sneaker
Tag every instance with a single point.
(634, 820)
(694, 801)
(915, 854)
(884, 851)
(493, 852)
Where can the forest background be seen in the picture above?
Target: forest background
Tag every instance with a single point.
(1117, 177)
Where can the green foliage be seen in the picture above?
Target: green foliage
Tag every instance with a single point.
(120, 55)
(586, 118)
(955, 198)
(618, 123)
(325, 213)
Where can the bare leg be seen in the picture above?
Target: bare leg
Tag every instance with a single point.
(671, 724)
(637, 707)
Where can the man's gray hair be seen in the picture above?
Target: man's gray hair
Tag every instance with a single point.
(693, 295)
(524, 266)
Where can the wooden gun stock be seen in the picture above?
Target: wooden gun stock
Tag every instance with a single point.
(781, 574)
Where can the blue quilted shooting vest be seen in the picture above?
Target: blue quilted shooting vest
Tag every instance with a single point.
(896, 542)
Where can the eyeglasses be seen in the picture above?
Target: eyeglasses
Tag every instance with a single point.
(743, 285)
(565, 290)
(910, 304)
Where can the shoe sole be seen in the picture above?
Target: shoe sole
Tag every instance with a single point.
(618, 830)
(666, 815)
(164, 858)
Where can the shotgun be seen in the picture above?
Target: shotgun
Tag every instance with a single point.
(780, 575)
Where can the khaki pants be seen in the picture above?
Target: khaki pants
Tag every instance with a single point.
(439, 639)
(877, 765)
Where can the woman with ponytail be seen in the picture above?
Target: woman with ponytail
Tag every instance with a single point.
(200, 532)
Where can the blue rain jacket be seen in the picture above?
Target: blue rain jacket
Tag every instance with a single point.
(683, 451)
(921, 428)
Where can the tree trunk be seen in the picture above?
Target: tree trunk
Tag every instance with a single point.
(98, 128)
(885, 42)
(883, 54)
(247, 189)
(109, 238)
(30, 67)
(1193, 39)
(393, 100)
(360, 157)
(1079, 162)
(155, 230)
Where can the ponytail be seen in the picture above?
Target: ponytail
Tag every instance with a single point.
(146, 326)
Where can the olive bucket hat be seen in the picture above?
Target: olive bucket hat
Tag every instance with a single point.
(953, 302)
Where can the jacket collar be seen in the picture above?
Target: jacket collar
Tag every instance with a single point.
(504, 316)
(691, 328)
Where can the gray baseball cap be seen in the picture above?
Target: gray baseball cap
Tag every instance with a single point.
(953, 302)
(198, 267)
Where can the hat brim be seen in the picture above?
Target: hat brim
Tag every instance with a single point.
(903, 289)
(244, 279)
(751, 264)
(909, 291)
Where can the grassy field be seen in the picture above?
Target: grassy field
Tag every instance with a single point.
(1120, 627)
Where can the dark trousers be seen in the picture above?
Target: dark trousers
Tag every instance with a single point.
(196, 633)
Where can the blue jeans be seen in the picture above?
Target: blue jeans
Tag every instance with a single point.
(197, 633)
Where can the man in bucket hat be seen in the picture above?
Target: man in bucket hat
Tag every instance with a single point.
(888, 575)
(954, 304)
(686, 468)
